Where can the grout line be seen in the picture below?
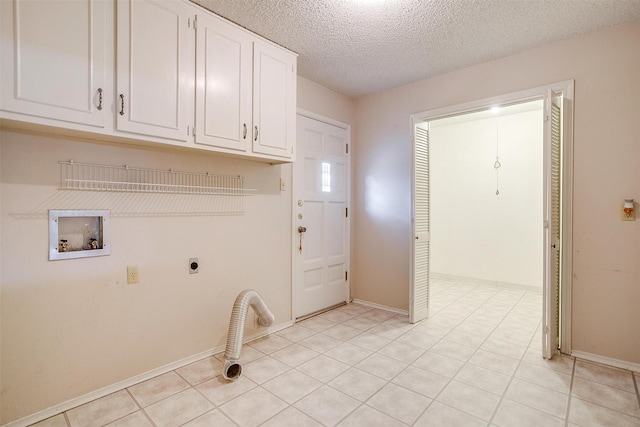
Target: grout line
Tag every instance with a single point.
(634, 377)
(573, 375)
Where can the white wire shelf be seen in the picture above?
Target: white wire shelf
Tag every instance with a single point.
(92, 177)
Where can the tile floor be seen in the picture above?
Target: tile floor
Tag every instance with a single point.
(475, 362)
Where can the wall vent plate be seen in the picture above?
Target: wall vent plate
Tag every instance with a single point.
(194, 265)
(79, 233)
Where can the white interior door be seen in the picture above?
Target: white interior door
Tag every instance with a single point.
(321, 246)
(552, 214)
(419, 295)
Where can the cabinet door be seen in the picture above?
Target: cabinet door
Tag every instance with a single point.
(53, 59)
(223, 79)
(274, 100)
(153, 68)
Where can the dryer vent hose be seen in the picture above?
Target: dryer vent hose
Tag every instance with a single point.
(247, 298)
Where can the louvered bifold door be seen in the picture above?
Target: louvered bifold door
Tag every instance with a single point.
(553, 140)
(419, 304)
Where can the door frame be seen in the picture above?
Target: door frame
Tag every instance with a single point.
(296, 269)
(566, 88)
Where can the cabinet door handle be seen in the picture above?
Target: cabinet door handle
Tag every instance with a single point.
(256, 136)
(99, 99)
(121, 104)
(244, 132)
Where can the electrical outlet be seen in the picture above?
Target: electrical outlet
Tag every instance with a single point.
(132, 274)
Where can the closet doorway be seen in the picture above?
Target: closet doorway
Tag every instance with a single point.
(492, 201)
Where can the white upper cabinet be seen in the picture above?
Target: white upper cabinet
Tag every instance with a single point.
(274, 100)
(223, 84)
(154, 68)
(245, 91)
(54, 60)
(153, 71)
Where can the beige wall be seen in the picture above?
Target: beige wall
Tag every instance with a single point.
(71, 327)
(606, 251)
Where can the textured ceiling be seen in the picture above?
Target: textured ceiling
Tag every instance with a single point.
(358, 47)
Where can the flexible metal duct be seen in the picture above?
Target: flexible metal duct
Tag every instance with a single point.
(247, 298)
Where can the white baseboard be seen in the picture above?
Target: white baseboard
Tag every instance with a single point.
(485, 282)
(104, 391)
(606, 360)
(381, 307)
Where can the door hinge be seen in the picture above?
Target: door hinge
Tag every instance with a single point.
(188, 129)
(346, 275)
(347, 148)
(346, 212)
(195, 22)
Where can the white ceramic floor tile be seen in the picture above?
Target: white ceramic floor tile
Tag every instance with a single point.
(587, 414)
(453, 350)
(402, 352)
(554, 380)
(469, 399)
(201, 371)
(264, 369)
(361, 323)
(381, 366)
(212, 418)
(504, 348)
(336, 316)
(270, 343)
(441, 415)
(342, 332)
(137, 419)
(416, 339)
(218, 390)
(327, 405)
(538, 397)
(292, 386)
(483, 378)
(320, 342)
(366, 416)
(357, 384)
(369, 341)
(247, 355)
(253, 407)
(349, 353)
(296, 333)
(399, 403)
(613, 377)
(512, 413)
(387, 331)
(56, 421)
(294, 355)
(317, 324)
(178, 409)
(158, 388)
(291, 417)
(494, 362)
(603, 395)
(442, 365)
(378, 315)
(323, 368)
(427, 383)
(102, 411)
(558, 363)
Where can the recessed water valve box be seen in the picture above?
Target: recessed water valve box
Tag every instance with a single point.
(194, 266)
(78, 233)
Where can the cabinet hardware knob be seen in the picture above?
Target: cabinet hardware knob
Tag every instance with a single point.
(244, 132)
(99, 99)
(256, 137)
(121, 104)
